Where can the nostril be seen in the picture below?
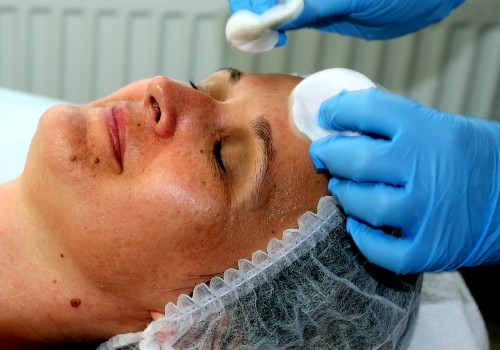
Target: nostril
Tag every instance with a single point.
(161, 107)
(157, 109)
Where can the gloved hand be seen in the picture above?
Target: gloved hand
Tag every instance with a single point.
(434, 175)
(370, 19)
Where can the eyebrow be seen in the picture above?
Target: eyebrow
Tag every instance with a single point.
(234, 74)
(262, 130)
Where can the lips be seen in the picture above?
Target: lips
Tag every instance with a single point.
(114, 118)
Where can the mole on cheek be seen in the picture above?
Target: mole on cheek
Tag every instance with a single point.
(96, 160)
(75, 302)
(72, 158)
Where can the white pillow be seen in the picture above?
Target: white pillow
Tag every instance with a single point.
(19, 114)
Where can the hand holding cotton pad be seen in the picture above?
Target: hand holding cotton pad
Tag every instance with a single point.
(253, 33)
(309, 94)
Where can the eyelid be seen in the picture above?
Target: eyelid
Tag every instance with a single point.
(217, 154)
(215, 91)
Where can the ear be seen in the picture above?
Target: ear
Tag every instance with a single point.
(155, 315)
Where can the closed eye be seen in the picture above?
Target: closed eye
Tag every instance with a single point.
(217, 153)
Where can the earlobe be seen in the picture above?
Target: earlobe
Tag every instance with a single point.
(155, 315)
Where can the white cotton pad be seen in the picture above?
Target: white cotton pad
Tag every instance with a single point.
(309, 94)
(253, 33)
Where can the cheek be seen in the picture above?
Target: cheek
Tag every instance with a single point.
(168, 216)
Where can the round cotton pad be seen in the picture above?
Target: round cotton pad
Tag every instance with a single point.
(308, 95)
(253, 33)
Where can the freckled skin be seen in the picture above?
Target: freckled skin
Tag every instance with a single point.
(148, 232)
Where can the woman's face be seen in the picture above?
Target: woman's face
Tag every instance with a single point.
(160, 186)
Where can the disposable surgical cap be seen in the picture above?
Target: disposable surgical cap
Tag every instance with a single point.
(311, 290)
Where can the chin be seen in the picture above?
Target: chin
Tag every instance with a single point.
(58, 140)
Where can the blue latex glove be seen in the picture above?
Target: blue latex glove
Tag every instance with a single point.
(370, 19)
(434, 175)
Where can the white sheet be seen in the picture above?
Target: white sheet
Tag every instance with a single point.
(19, 114)
(448, 317)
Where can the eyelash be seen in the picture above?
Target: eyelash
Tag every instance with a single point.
(193, 85)
(217, 153)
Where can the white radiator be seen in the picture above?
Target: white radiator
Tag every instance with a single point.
(82, 50)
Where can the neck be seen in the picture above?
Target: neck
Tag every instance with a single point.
(44, 298)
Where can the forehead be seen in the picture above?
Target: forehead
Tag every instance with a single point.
(253, 95)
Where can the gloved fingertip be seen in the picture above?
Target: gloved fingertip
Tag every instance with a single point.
(326, 117)
(316, 152)
(332, 184)
(318, 164)
(321, 120)
(350, 225)
(327, 122)
(282, 39)
(349, 228)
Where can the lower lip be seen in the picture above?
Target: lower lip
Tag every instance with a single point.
(112, 119)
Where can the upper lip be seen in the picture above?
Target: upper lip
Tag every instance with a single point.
(114, 125)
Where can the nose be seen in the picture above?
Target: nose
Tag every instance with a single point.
(164, 102)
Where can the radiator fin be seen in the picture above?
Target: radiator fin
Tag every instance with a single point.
(80, 52)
